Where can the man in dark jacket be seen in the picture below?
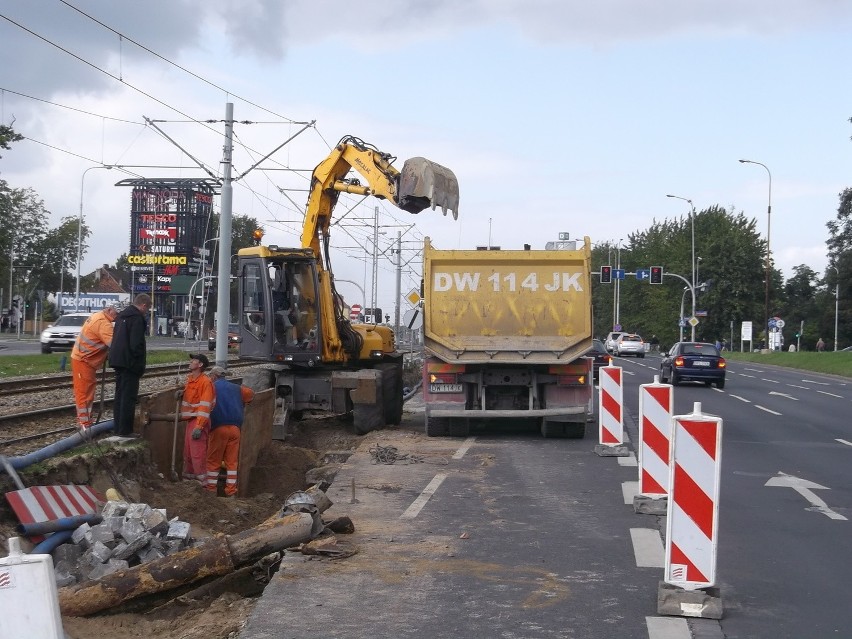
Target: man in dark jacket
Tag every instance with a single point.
(127, 357)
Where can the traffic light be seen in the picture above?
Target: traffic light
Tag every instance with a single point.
(606, 275)
(656, 275)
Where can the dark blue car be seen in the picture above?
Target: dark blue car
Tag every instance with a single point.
(693, 362)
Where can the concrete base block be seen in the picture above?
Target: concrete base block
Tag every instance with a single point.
(606, 450)
(644, 505)
(705, 603)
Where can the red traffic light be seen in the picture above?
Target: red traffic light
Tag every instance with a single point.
(606, 274)
(656, 275)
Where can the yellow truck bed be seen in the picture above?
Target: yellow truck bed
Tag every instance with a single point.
(507, 306)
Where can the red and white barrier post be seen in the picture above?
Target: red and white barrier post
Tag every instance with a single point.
(693, 518)
(656, 405)
(611, 412)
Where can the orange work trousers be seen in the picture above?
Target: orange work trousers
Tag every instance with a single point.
(223, 449)
(195, 452)
(85, 380)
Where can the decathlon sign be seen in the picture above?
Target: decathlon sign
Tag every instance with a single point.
(90, 302)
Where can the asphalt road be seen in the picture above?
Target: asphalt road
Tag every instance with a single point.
(785, 497)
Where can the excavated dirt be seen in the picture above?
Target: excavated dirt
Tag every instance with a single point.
(218, 613)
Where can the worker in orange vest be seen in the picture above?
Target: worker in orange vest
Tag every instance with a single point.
(199, 398)
(90, 350)
(226, 419)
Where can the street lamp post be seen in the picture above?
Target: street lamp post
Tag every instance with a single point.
(80, 236)
(766, 275)
(836, 304)
(692, 222)
(617, 291)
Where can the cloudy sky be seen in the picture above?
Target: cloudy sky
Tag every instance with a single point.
(555, 115)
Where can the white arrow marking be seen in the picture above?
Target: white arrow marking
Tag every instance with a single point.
(784, 395)
(805, 488)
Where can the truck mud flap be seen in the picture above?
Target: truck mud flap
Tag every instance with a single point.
(424, 184)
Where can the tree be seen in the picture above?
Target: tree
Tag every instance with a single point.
(838, 274)
(7, 136)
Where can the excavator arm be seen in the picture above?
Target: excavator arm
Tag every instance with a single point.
(421, 184)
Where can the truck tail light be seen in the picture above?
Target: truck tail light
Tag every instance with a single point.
(443, 378)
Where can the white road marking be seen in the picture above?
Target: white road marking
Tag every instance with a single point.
(667, 628)
(718, 390)
(744, 375)
(417, 505)
(629, 489)
(830, 394)
(648, 548)
(766, 409)
(795, 399)
(742, 399)
(802, 387)
(466, 444)
(771, 381)
(813, 381)
(843, 441)
(805, 488)
(629, 460)
(756, 370)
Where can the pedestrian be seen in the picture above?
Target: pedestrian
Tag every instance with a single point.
(655, 344)
(127, 356)
(223, 448)
(199, 397)
(88, 354)
(820, 345)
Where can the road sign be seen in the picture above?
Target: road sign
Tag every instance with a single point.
(642, 274)
(617, 328)
(779, 323)
(700, 313)
(354, 311)
(413, 297)
(693, 322)
(618, 273)
(413, 318)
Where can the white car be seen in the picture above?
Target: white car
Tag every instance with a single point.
(61, 335)
(610, 341)
(630, 344)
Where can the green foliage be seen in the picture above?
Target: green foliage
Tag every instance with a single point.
(40, 364)
(839, 363)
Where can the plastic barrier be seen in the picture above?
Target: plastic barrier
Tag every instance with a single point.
(656, 405)
(611, 404)
(29, 606)
(693, 505)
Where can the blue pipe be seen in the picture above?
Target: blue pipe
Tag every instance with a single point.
(49, 545)
(65, 523)
(77, 439)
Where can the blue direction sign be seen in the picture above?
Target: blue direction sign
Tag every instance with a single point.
(618, 273)
(642, 274)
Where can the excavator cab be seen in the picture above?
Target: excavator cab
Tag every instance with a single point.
(279, 302)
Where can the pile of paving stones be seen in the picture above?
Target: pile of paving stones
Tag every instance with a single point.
(129, 534)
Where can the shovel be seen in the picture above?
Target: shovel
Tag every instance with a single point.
(174, 475)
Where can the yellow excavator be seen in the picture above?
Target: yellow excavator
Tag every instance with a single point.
(291, 314)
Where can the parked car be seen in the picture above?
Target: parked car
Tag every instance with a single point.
(233, 337)
(601, 357)
(610, 341)
(61, 335)
(693, 362)
(630, 344)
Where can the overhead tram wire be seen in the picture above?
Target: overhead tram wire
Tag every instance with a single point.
(177, 66)
(70, 108)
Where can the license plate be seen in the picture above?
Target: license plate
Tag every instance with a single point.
(61, 341)
(445, 388)
(699, 363)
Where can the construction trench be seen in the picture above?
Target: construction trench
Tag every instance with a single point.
(171, 558)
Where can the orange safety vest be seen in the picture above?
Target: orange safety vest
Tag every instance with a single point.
(92, 344)
(199, 397)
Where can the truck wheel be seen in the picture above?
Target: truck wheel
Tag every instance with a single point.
(574, 430)
(437, 426)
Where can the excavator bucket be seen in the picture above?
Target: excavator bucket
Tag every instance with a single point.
(424, 184)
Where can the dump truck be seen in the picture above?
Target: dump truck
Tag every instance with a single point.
(505, 337)
(292, 316)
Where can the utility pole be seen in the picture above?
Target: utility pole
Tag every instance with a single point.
(375, 282)
(223, 296)
(398, 281)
